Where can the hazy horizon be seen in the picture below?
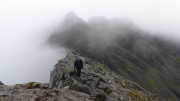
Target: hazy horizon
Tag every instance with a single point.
(26, 24)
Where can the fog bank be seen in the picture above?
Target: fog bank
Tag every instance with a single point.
(26, 24)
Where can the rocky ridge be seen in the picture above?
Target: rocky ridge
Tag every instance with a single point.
(97, 83)
(128, 50)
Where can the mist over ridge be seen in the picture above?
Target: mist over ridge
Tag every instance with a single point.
(150, 60)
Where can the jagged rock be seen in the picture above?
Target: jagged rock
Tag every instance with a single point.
(102, 85)
(9, 93)
(32, 85)
(1, 83)
(96, 80)
(97, 83)
(35, 85)
(44, 85)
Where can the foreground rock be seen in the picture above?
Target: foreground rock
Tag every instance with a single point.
(97, 81)
(40, 92)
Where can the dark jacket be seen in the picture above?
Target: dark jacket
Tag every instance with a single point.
(78, 63)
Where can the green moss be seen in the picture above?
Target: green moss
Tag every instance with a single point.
(152, 78)
(18, 84)
(136, 96)
(73, 87)
(31, 83)
(103, 66)
(107, 91)
(178, 58)
(27, 85)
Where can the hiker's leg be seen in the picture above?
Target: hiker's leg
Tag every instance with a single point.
(79, 72)
(76, 71)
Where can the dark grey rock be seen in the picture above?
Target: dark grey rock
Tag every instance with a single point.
(1, 83)
(36, 85)
(10, 93)
(101, 84)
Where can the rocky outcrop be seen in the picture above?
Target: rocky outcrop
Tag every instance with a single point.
(97, 81)
(39, 92)
(1, 83)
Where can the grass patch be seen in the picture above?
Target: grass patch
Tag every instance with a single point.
(136, 96)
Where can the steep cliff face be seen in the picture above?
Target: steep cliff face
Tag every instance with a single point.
(97, 81)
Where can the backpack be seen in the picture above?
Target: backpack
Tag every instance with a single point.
(78, 63)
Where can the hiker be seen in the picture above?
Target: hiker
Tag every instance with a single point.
(78, 65)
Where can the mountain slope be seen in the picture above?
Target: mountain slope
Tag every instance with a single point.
(126, 49)
(97, 81)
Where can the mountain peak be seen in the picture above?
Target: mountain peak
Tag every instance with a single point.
(72, 19)
(71, 14)
(1, 83)
(152, 62)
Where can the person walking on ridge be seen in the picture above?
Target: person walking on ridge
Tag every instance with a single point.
(78, 65)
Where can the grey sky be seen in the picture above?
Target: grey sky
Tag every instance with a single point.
(25, 24)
